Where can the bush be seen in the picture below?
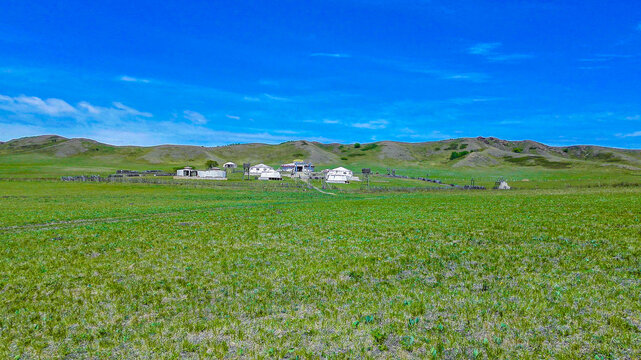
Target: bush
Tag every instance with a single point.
(517, 150)
(456, 155)
(452, 146)
(357, 145)
(343, 158)
(211, 164)
(369, 147)
(463, 146)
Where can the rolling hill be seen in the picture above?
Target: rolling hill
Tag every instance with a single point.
(54, 155)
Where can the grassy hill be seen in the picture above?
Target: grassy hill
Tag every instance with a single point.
(452, 160)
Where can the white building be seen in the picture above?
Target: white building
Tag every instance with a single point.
(230, 165)
(270, 175)
(188, 171)
(503, 185)
(211, 174)
(340, 175)
(257, 170)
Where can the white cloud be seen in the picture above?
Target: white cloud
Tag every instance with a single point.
(333, 55)
(276, 98)
(483, 48)
(372, 125)
(57, 108)
(233, 117)
(491, 53)
(195, 117)
(132, 79)
(330, 121)
(90, 108)
(633, 134)
(131, 111)
(466, 76)
(35, 105)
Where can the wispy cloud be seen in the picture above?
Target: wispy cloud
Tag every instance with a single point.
(133, 79)
(194, 117)
(372, 125)
(632, 134)
(606, 57)
(483, 48)
(490, 51)
(639, 26)
(36, 105)
(130, 110)
(59, 108)
(276, 98)
(332, 55)
(120, 124)
(233, 117)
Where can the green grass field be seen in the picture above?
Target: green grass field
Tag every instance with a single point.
(110, 271)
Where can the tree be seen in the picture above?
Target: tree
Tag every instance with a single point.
(357, 145)
(211, 164)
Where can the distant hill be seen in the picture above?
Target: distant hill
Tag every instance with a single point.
(463, 153)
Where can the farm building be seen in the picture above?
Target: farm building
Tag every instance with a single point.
(211, 174)
(502, 185)
(188, 171)
(230, 165)
(257, 170)
(340, 175)
(270, 175)
(298, 166)
(214, 173)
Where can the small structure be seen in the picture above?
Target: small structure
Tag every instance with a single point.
(270, 175)
(257, 170)
(340, 175)
(188, 171)
(502, 185)
(230, 165)
(298, 166)
(210, 174)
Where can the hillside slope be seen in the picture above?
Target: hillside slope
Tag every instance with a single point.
(463, 154)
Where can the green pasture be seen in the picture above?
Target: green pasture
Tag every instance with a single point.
(127, 271)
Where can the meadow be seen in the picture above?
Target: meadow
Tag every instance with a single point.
(95, 270)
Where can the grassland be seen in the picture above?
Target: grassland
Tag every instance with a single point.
(95, 270)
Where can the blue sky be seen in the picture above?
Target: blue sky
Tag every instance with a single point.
(218, 72)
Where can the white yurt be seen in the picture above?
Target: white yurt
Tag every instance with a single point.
(270, 175)
(257, 170)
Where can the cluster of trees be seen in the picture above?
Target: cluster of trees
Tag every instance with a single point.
(458, 154)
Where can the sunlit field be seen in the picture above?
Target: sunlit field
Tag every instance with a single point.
(152, 271)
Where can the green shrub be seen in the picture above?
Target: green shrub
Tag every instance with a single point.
(456, 155)
(452, 146)
(463, 146)
(344, 158)
(211, 164)
(357, 145)
(369, 147)
(517, 150)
